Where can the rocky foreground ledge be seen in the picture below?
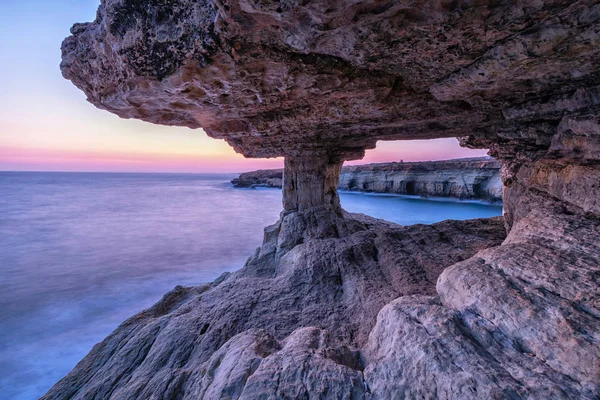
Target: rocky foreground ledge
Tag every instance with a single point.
(465, 178)
(291, 324)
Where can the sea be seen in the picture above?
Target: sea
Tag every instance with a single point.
(81, 252)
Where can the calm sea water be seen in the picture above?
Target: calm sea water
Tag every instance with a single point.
(81, 252)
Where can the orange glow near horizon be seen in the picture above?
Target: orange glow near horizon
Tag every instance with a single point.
(24, 158)
(32, 159)
(417, 150)
(89, 140)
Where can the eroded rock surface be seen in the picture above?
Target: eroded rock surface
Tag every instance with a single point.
(521, 320)
(515, 321)
(285, 78)
(287, 325)
(467, 178)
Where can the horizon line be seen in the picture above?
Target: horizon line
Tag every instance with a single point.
(228, 172)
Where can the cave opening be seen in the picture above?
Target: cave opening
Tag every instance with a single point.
(410, 188)
(440, 171)
(478, 190)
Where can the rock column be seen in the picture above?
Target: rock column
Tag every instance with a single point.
(310, 182)
(311, 206)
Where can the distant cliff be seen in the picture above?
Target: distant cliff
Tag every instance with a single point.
(466, 178)
(260, 178)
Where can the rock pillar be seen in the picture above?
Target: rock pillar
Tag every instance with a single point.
(311, 209)
(310, 182)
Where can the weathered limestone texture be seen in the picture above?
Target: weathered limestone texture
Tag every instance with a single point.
(288, 325)
(338, 306)
(287, 78)
(467, 178)
(311, 182)
(516, 321)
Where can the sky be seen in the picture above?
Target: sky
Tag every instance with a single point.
(46, 124)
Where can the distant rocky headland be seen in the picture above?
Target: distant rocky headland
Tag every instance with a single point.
(463, 178)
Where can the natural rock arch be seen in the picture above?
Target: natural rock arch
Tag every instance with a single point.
(319, 82)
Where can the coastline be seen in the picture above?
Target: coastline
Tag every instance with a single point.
(402, 196)
(465, 179)
(426, 198)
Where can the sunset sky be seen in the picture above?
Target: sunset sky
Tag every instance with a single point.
(47, 125)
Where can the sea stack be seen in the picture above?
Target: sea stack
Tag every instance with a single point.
(339, 306)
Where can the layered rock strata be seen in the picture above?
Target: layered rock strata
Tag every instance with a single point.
(468, 178)
(339, 306)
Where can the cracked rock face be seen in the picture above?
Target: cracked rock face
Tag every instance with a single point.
(287, 325)
(516, 321)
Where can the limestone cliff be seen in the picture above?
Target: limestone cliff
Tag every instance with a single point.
(468, 178)
(272, 178)
(340, 306)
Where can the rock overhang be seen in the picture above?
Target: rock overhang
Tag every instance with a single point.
(332, 78)
(318, 82)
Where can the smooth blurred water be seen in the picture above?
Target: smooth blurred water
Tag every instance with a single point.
(409, 210)
(81, 252)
